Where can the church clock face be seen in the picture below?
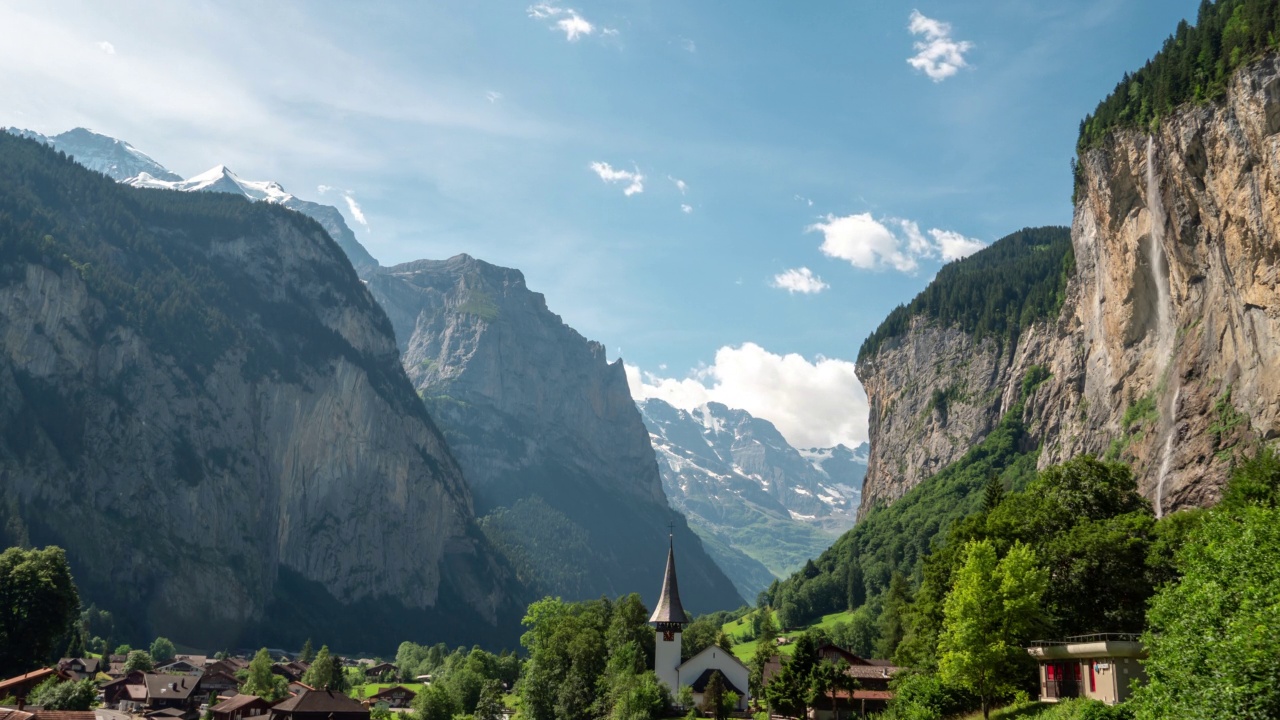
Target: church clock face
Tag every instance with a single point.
(668, 635)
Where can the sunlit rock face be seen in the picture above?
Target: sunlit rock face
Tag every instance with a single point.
(1166, 354)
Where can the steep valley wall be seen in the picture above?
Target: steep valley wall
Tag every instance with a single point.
(1166, 352)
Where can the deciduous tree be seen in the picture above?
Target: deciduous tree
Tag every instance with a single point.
(992, 605)
(38, 605)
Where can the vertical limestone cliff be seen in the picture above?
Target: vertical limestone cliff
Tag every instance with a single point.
(201, 402)
(546, 431)
(1166, 351)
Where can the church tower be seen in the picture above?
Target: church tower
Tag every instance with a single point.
(669, 619)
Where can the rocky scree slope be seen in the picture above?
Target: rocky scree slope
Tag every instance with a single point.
(1166, 351)
(546, 431)
(761, 506)
(201, 402)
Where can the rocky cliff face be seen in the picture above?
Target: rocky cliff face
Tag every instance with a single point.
(761, 506)
(545, 430)
(1167, 351)
(200, 401)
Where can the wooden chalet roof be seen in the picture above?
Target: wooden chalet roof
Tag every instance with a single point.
(235, 703)
(669, 609)
(388, 692)
(319, 701)
(35, 676)
(170, 687)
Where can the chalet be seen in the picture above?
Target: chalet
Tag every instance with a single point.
(1102, 666)
(241, 707)
(115, 665)
(19, 686)
(181, 667)
(379, 670)
(171, 691)
(117, 691)
(870, 695)
(218, 683)
(79, 668)
(395, 697)
(669, 619)
(319, 705)
(230, 665)
(200, 661)
(297, 688)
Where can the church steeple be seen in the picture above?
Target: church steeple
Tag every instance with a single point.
(669, 611)
(669, 619)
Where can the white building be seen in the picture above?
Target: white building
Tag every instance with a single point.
(669, 619)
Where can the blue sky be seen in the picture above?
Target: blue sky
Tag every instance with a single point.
(779, 145)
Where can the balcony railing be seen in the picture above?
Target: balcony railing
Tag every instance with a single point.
(1091, 638)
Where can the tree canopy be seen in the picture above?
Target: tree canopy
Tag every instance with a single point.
(1194, 65)
(995, 292)
(39, 604)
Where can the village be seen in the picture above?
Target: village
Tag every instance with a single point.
(805, 676)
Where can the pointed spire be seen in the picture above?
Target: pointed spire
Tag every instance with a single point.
(669, 609)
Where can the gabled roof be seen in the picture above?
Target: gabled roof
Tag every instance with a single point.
(387, 692)
(30, 677)
(871, 672)
(669, 609)
(236, 703)
(700, 684)
(170, 687)
(319, 701)
(717, 649)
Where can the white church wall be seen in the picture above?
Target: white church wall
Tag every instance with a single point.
(716, 658)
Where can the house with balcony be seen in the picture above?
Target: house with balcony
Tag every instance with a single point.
(1101, 666)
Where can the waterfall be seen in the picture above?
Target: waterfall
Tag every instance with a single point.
(1170, 431)
(1158, 262)
(1164, 316)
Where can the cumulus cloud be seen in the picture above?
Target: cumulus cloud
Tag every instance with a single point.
(686, 209)
(953, 246)
(799, 280)
(681, 185)
(107, 47)
(872, 244)
(937, 54)
(634, 180)
(813, 404)
(567, 20)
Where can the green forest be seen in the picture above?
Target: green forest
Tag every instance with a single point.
(996, 292)
(1194, 65)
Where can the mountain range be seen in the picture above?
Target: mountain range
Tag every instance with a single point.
(761, 506)
(563, 477)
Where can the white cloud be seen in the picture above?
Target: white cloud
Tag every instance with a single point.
(609, 32)
(799, 280)
(493, 96)
(804, 199)
(322, 189)
(813, 404)
(568, 21)
(688, 45)
(872, 244)
(937, 55)
(953, 246)
(356, 213)
(107, 47)
(608, 174)
(681, 185)
(686, 209)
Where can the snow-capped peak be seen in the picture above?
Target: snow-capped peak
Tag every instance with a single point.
(219, 178)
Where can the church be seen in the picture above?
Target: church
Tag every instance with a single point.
(669, 619)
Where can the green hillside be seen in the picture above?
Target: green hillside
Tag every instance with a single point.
(995, 292)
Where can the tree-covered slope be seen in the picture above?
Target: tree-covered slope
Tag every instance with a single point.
(995, 292)
(1193, 66)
